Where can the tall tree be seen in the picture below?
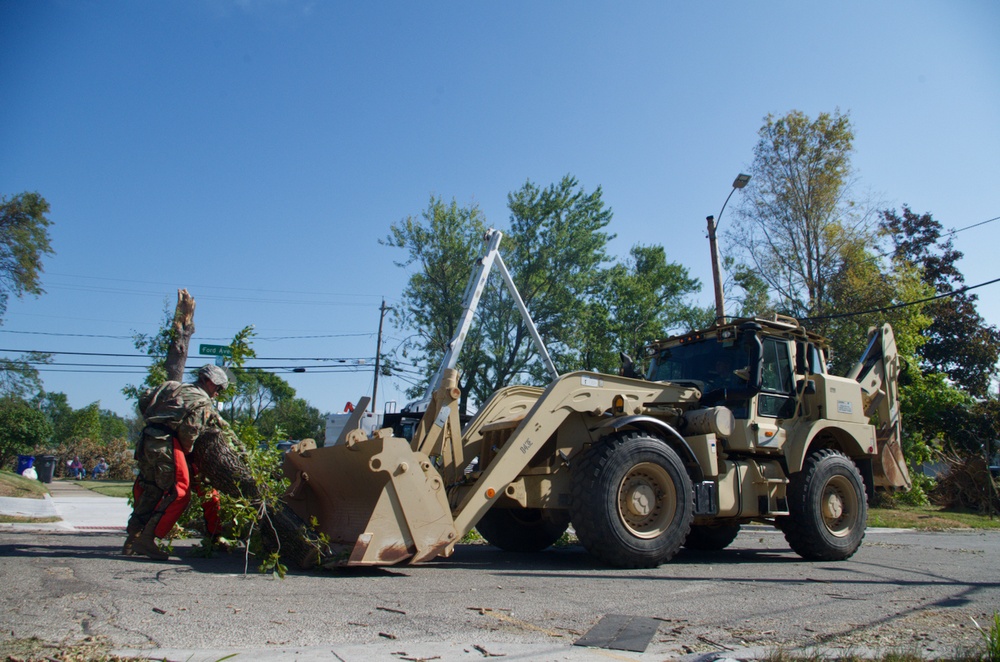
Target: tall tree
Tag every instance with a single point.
(24, 242)
(556, 249)
(797, 213)
(959, 342)
(57, 411)
(254, 392)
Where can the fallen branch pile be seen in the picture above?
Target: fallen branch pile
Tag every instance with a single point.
(281, 529)
(967, 484)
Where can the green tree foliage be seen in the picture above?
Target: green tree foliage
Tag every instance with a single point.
(57, 410)
(958, 343)
(645, 298)
(293, 419)
(868, 292)
(747, 290)
(441, 245)
(24, 241)
(556, 250)
(253, 393)
(797, 218)
(19, 377)
(22, 427)
(87, 423)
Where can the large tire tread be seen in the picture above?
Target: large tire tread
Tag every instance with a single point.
(804, 529)
(597, 473)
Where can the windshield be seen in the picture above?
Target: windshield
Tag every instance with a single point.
(709, 364)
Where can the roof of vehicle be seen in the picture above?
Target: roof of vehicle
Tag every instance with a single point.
(779, 325)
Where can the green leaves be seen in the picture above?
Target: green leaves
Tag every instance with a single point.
(21, 428)
(24, 241)
(586, 306)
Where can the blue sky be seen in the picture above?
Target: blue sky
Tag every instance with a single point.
(255, 151)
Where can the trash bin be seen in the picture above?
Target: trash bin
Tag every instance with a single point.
(24, 462)
(46, 467)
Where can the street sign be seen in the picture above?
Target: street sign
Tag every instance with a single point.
(215, 350)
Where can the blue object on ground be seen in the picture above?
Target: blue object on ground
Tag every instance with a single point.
(23, 462)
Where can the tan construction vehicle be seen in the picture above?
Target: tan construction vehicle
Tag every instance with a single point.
(737, 423)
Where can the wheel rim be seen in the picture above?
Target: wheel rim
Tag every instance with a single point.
(647, 500)
(839, 506)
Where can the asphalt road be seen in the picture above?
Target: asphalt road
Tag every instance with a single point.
(910, 591)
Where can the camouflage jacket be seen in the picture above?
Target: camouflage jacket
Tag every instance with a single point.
(177, 410)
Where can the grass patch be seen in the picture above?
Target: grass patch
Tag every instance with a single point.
(20, 519)
(892, 656)
(112, 488)
(19, 487)
(89, 649)
(929, 518)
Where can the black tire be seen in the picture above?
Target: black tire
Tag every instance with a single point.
(828, 508)
(632, 501)
(523, 529)
(711, 538)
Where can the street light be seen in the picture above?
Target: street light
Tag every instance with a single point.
(720, 311)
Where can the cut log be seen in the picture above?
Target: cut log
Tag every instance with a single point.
(281, 529)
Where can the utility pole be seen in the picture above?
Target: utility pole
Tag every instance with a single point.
(720, 310)
(383, 309)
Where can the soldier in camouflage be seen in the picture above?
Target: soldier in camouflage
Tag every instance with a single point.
(175, 415)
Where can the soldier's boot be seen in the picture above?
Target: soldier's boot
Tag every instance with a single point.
(145, 543)
(128, 548)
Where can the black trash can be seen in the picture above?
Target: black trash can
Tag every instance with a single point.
(46, 467)
(24, 462)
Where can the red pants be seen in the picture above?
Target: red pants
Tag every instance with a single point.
(184, 471)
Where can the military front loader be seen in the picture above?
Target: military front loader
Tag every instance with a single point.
(734, 424)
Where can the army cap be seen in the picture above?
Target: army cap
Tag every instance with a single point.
(213, 373)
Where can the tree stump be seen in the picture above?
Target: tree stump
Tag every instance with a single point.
(182, 329)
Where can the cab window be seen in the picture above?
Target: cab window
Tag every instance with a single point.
(776, 389)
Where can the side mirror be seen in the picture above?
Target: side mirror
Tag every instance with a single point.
(628, 366)
(807, 386)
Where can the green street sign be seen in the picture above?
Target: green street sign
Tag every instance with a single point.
(215, 350)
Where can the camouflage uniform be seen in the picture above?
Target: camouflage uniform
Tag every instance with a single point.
(172, 411)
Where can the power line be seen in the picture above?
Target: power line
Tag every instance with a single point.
(147, 356)
(268, 338)
(974, 225)
(900, 305)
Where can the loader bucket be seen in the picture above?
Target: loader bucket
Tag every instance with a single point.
(376, 499)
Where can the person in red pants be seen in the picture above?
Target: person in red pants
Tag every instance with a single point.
(175, 415)
(185, 479)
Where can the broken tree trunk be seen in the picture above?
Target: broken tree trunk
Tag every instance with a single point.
(182, 328)
(281, 529)
(222, 467)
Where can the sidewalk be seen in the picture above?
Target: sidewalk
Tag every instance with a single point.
(79, 508)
